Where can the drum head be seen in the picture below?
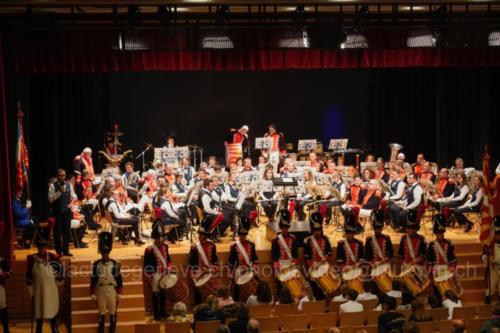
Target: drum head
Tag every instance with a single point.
(351, 273)
(289, 275)
(204, 278)
(320, 270)
(380, 269)
(167, 281)
(443, 277)
(244, 278)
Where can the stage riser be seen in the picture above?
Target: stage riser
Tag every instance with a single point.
(125, 314)
(122, 327)
(129, 301)
(129, 288)
(129, 275)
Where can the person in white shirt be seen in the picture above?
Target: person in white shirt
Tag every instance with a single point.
(396, 186)
(307, 296)
(263, 295)
(121, 217)
(342, 296)
(367, 294)
(399, 210)
(351, 305)
(452, 301)
(458, 197)
(396, 290)
(473, 204)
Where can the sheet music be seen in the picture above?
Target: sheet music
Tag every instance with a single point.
(338, 144)
(309, 144)
(263, 143)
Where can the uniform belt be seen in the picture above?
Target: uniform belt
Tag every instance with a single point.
(105, 284)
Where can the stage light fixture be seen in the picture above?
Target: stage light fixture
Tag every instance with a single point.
(494, 38)
(421, 38)
(216, 40)
(354, 39)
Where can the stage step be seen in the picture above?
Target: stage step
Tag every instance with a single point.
(91, 316)
(122, 326)
(126, 301)
(472, 296)
(86, 265)
(128, 275)
(129, 288)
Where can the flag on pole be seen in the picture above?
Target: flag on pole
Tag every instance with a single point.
(487, 230)
(22, 160)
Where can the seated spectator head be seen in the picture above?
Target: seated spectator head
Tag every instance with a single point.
(418, 310)
(263, 292)
(433, 302)
(285, 297)
(390, 303)
(253, 326)
(343, 290)
(457, 326)
(351, 294)
(179, 309)
(450, 294)
(212, 303)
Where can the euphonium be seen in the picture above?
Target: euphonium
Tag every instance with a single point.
(395, 148)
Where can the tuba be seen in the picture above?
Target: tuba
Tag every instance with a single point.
(395, 148)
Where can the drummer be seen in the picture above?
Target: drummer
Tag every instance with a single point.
(350, 250)
(156, 263)
(412, 248)
(284, 246)
(242, 254)
(317, 249)
(202, 255)
(378, 248)
(441, 252)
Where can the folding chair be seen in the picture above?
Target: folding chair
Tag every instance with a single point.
(205, 326)
(369, 304)
(368, 329)
(352, 318)
(314, 307)
(464, 312)
(155, 328)
(177, 327)
(484, 310)
(444, 326)
(474, 324)
(371, 317)
(285, 309)
(323, 320)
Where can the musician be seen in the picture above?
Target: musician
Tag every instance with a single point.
(378, 248)
(169, 173)
(444, 187)
(289, 167)
(211, 209)
(380, 173)
(418, 165)
(269, 197)
(284, 246)
(313, 161)
(242, 254)
(473, 204)
(330, 167)
(22, 218)
(170, 143)
(83, 161)
(396, 187)
(426, 174)
(278, 138)
(491, 258)
(202, 255)
(106, 286)
(148, 189)
(5, 273)
(160, 196)
(458, 166)
(313, 192)
(335, 196)
(43, 273)
(121, 217)
(247, 165)
(186, 169)
(177, 187)
(441, 252)
(60, 196)
(200, 177)
(458, 197)
(157, 262)
(412, 248)
(355, 191)
(317, 248)
(236, 198)
(399, 210)
(241, 136)
(350, 250)
(368, 175)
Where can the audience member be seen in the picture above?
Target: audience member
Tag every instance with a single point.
(242, 318)
(451, 301)
(262, 295)
(390, 319)
(418, 312)
(367, 294)
(351, 305)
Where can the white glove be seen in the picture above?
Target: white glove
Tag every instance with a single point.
(30, 291)
(93, 297)
(28, 204)
(484, 258)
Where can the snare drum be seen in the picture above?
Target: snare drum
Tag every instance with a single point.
(326, 278)
(382, 275)
(247, 282)
(294, 280)
(447, 281)
(206, 284)
(354, 278)
(414, 281)
(176, 290)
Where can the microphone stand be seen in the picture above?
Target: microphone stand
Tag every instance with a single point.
(142, 154)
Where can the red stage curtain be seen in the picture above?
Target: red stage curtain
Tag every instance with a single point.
(46, 61)
(6, 222)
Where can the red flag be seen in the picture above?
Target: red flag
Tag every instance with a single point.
(487, 231)
(22, 160)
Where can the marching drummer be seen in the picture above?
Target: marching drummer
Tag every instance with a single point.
(284, 246)
(157, 262)
(203, 254)
(441, 252)
(378, 248)
(106, 285)
(242, 254)
(412, 248)
(350, 250)
(317, 249)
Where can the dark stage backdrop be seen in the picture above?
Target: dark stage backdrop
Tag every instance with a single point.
(442, 112)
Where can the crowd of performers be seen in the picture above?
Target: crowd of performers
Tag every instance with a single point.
(215, 200)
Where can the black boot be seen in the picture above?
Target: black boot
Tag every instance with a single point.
(53, 325)
(112, 323)
(39, 325)
(487, 299)
(156, 306)
(468, 227)
(163, 300)
(102, 320)
(4, 315)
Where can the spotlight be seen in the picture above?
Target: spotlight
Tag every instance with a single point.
(494, 38)
(353, 39)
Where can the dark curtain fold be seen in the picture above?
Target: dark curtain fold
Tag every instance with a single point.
(6, 223)
(443, 113)
(63, 114)
(95, 61)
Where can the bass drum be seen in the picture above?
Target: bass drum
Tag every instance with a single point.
(175, 289)
(354, 278)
